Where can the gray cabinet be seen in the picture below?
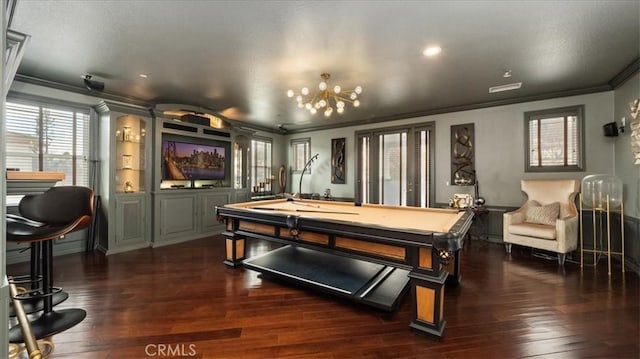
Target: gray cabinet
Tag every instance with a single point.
(182, 215)
(131, 220)
(124, 171)
(178, 216)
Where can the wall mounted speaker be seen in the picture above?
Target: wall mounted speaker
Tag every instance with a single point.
(610, 129)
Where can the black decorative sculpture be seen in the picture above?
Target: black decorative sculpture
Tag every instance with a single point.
(462, 155)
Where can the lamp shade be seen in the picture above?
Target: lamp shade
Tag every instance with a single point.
(595, 189)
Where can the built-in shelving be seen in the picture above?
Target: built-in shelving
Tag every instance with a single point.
(125, 176)
(184, 208)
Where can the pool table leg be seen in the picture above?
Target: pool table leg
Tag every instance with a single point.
(426, 281)
(234, 245)
(428, 303)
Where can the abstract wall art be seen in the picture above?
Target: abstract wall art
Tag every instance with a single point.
(338, 161)
(462, 155)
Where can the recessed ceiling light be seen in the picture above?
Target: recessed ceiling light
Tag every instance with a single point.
(507, 87)
(506, 74)
(432, 51)
(144, 76)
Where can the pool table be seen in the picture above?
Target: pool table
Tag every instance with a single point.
(369, 253)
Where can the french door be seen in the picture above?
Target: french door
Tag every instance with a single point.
(395, 166)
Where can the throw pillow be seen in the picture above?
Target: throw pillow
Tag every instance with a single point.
(543, 214)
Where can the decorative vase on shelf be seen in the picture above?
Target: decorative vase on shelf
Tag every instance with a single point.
(596, 188)
(126, 134)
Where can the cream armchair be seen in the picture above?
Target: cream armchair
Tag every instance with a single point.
(548, 220)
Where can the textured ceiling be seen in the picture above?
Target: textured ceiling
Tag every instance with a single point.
(240, 57)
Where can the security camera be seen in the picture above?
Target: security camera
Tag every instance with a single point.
(93, 85)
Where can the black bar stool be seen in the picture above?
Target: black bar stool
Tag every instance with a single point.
(46, 217)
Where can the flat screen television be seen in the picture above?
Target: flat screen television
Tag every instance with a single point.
(192, 161)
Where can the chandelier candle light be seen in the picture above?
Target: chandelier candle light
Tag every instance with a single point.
(326, 99)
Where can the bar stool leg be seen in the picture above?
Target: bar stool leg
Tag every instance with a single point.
(50, 322)
(36, 303)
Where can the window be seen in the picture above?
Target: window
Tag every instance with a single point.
(301, 148)
(261, 176)
(237, 166)
(240, 151)
(554, 140)
(53, 138)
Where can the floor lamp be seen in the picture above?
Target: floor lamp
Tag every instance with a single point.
(603, 195)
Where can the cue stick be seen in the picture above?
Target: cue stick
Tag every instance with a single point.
(305, 204)
(303, 210)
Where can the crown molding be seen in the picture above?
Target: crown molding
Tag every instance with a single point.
(625, 74)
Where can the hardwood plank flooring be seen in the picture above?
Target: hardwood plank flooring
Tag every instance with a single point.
(182, 301)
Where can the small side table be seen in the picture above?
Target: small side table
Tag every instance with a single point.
(480, 226)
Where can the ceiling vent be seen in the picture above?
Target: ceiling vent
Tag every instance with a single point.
(507, 87)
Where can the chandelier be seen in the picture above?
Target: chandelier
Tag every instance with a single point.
(326, 99)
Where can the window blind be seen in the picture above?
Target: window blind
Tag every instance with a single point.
(46, 138)
(301, 154)
(260, 164)
(554, 141)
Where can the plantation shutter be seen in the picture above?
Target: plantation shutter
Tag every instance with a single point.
(46, 138)
(554, 141)
(22, 136)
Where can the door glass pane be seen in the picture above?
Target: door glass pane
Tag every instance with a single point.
(364, 169)
(423, 177)
(402, 148)
(392, 161)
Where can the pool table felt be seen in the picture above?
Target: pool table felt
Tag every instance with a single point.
(421, 219)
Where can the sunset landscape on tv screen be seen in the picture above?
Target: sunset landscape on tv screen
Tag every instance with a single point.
(192, 161)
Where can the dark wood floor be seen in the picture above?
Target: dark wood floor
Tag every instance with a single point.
(184, 298)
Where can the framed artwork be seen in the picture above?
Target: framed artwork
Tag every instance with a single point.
(338, 160)
(462, 155)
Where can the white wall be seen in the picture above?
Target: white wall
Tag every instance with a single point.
(624, 167)
(499, 133)
(320, 177)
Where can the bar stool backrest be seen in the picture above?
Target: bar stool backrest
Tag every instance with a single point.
(59, 206)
